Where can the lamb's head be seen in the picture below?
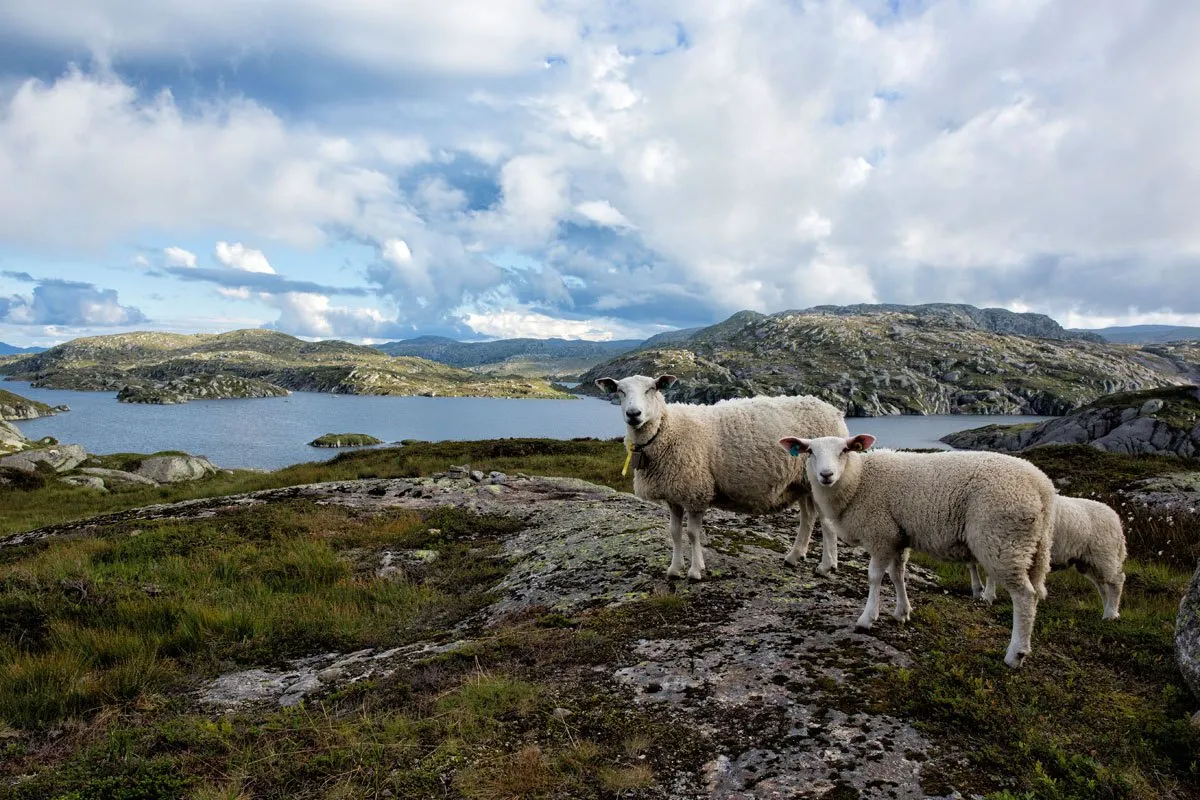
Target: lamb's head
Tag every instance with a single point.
(641, 397)
(827, 455)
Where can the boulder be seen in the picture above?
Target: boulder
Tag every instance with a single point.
(1187, 635)
(176, 468)
(89, 481)
(60, 458)
(111, 476)
(11, 439)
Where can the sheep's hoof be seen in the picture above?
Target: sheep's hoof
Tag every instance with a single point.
(674, 572)
(824, 570)
(1016, 660)
(794, 559)
(987, 598)
(695, 575)
(1114, 615)
(901, 618)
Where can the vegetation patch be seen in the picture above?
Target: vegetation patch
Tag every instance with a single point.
(134, 612)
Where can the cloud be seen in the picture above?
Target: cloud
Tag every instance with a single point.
(459, 37)
(306, 314)
(664, 165)
(258, 281)
(237, 256)
(24, 277)
(178, 257)
(59, 302)
(518, 322)
(602, 213)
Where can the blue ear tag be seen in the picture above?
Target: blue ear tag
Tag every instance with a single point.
(795, 449)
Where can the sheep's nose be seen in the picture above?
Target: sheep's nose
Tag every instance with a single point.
(826, 475)
(633, 416)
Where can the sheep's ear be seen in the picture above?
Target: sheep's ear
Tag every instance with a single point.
(794, 446)
(664, 381)
(607, 385)
(860, 443)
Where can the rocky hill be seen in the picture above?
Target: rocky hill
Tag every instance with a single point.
(881, 360)
(144, 362)
(13, 406)
(1146, 334)
(1163, 421)
(206, 386)
(473, 354)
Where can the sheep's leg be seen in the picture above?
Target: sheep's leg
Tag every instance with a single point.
(976, 584)
(695, 526)
(989, 590)
(1112, 602)
(1025, 600)
(829, 548)
(808, 516)
(875, 572)
(898, 572)
(676, 528)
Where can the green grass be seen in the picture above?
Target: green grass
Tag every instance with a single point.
(493, 721)
(54, 503)
(101, 621)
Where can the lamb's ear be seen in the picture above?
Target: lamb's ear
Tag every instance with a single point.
(860, 443)
(796, 447)
(607, 385)
(664, 381)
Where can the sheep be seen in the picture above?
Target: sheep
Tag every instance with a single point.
(993, 508)
(691, 457)
(1088, 535)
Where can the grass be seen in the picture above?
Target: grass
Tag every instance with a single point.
(345, 440)
(102, 621)
(101, 638)
(52, 503)
(1098, 711)
(493, 721)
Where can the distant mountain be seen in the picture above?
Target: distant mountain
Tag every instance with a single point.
(523, 356)
(10, 350)
(881, 360)
(154, 367)
(1145, 334)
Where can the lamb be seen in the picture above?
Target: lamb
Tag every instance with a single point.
(1088, 535)
(691, 457)
(992, 508)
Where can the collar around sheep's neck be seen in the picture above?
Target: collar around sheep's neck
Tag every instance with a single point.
(638, 448)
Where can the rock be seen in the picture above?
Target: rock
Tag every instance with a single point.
(118, 476)
(456, 471)
(11, 439)
(85, 480)
(1160, 421)
(477, 476)
(1187, 635)
(60, 458)
(176, 468)
(345, 440)
(14, 406)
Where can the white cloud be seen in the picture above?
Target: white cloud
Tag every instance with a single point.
(302, 314)
(453, 36)
(602, 213)
(238, 256)
(519, 322)
(178, 257)
(234, 292)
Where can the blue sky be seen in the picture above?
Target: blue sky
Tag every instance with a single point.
(373, 170)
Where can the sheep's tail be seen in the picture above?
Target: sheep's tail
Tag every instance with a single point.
(1041, 556)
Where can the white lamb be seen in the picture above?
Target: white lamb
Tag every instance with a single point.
(1088, 535)
(992, 508)
(691, 457)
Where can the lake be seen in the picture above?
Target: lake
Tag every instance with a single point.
(274, 432)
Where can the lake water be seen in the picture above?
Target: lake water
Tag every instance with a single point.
(274, 432)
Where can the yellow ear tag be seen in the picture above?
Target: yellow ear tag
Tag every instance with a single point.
(628, 456)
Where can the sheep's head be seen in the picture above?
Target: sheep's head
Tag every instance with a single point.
(827, 455)
(641, 397)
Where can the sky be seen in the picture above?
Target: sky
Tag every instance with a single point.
(379, 169)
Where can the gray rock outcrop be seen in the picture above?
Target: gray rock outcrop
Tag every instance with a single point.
(118, 477)
(1156, 421)
(1187, 635)
(176, 468)
(60, 458)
